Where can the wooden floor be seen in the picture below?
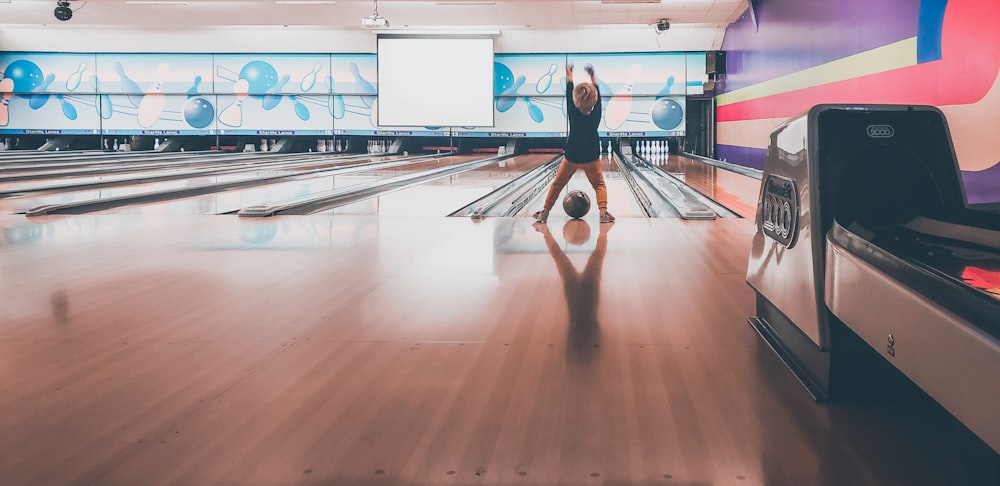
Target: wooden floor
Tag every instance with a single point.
(355, 350)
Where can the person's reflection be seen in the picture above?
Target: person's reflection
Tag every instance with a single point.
(583, 334)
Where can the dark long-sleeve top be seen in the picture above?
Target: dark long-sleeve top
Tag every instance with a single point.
(582, 144)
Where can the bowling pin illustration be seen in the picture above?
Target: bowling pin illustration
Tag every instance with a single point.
(309, 80)
(545, 82)
(363, 85)
(128, 86)
(152, 103)
(334, 103)
(301, 110)
(102, 103)
(193, 90)
(232, 115)
(73, 81)
(620, 104)
(270, 98)
(37, 101)
(534, 111)
(69, 111)
(509, 95)
(666, 88)
(6, 93)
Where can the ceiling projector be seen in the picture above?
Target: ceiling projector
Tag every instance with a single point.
(374, 21)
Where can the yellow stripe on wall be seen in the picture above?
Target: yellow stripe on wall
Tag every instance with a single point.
(881, 59)
(747, 133)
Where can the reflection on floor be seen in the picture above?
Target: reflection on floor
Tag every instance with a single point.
(419, 350)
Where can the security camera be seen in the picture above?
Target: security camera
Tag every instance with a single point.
(63, 12)
(662, 25)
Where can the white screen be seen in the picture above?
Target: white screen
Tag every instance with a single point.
(435, 81)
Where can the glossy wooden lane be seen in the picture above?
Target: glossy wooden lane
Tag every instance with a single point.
(444, 196)
(735, 191)
(621, 201)
(379, 350)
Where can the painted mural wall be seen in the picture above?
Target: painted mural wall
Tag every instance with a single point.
(788, 55)
(268, 94)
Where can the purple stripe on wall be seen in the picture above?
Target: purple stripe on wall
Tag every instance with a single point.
(982, 187)
(745, 156)
(799, 34)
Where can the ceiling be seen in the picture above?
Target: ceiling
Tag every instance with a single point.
(345, 15)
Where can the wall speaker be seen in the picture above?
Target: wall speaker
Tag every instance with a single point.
(715, 62)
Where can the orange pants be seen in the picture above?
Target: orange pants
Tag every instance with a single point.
(566, 170)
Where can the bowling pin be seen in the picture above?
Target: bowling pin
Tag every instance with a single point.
(338, 146)
(545, 82)
(534, 111)
(508, 96)
(232, 115)
(309, 80)
(151, 105)
(301, 110)
(263, 145)
(102, 103)
(666, 88)
(69, 111)
(73, 81)
(116, 146)
(363, 85)
(128, 86)
(37, 101)
(193, 90)
(7, 92)
(270, 98)
(156, 143)
(620, 105)
(334, 103)
(318, 143)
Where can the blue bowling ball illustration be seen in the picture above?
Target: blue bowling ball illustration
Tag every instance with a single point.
(503, 78)
(667, 113)
(27, 75)
(261, 76)
(199, 112)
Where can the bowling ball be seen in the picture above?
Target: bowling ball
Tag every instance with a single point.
(576, 204)
(503, 78)
(667, 113)
(26, 75)
(576, 232)
(261, 77)
(199, 112)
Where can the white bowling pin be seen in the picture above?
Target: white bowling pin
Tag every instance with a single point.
(232, 115)
(7, 92)
(620, 105)
(152, 102)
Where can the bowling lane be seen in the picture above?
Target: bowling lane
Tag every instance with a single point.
(230, 201)
(24, 203)
(736, 191)
(443, 196)
(15, 180)
(274, 164)
(621, 202)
